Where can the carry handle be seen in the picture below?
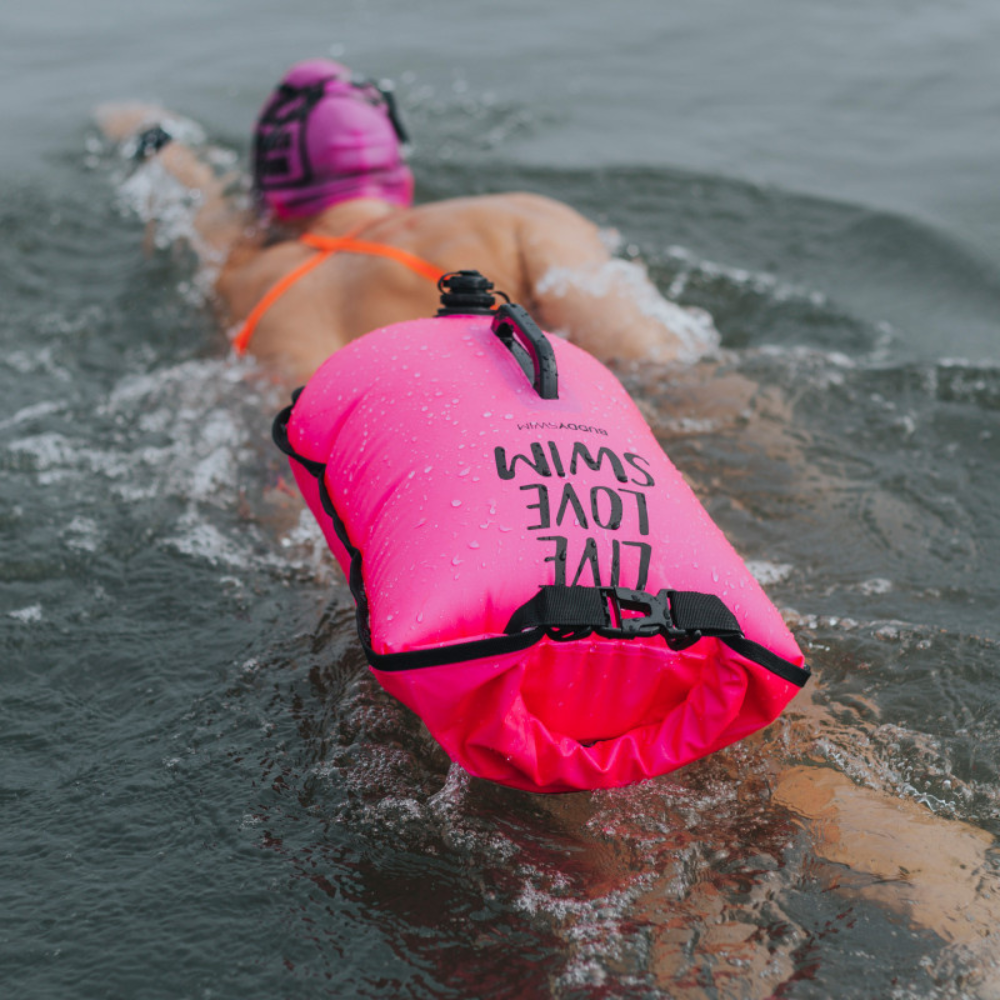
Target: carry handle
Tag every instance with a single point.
(521, 335)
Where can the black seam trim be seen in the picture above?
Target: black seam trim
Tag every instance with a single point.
(762, 656)
(478, 648)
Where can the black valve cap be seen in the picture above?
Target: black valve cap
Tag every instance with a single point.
(465, 293)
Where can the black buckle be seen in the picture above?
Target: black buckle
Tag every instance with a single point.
(656, 617)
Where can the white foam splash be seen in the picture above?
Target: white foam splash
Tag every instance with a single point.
(184, 440)
(82, 534)
(32, 613)
(759, 282)
(196, 537)
(156, 196)
(42, 361)
(308, 541)
(766, 573)
(33, 412)
(194, 405)
(48, 450)
(153, 194)
(693, 328)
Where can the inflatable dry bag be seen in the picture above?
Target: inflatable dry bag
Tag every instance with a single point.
(532, 575)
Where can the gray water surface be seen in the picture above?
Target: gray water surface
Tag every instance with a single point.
(205, 795)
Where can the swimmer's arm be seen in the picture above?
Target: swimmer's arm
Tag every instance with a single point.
(898, 853)
(219, 222)
(580, 291)
(892, 851)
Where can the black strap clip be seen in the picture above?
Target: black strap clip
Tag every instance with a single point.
(681, 617)
(655, 619)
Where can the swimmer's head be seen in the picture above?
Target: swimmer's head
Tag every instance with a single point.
(324, 137)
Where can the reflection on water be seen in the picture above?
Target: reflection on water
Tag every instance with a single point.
(762, 867)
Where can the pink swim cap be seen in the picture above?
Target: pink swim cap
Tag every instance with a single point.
(324, 137)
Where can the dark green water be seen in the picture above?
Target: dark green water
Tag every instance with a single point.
(204, 794)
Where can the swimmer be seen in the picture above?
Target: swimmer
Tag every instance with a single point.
(333, 246)
(313, 186)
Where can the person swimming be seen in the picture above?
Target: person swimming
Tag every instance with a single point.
(334, 246)
(926, 867)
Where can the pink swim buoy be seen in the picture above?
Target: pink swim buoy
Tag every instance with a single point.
(533, 577)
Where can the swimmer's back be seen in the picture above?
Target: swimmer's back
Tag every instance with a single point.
(348, 294)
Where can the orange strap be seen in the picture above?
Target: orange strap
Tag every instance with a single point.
(332, 244)
(327, 247)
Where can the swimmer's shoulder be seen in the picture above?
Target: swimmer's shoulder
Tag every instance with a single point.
(502, 224)
(515, 205)
(254, 264)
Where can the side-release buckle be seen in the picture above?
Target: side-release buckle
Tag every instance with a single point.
(656, 618)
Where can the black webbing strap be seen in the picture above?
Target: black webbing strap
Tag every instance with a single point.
(704, 613)
(568, 607)
(682, 617)
(562, 613)
(676, 614)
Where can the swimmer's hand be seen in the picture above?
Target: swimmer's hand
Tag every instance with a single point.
(120, 120)
(219, 220)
